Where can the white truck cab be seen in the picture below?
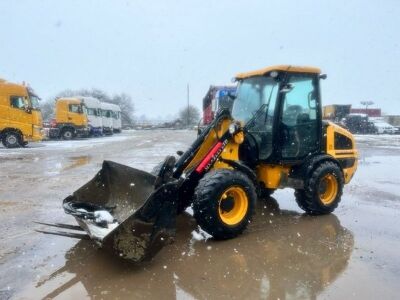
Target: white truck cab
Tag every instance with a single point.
(116, 114)
(107, 119)
(94, 114)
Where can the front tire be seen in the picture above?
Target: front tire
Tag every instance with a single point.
(67, 134)
(322, 191)
(12, 139)
(224, 203)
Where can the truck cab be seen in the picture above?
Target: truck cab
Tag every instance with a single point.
(20, 115)
(116, 118)
(93, 107)
(217, 97)
(107, 119)
(71, 119)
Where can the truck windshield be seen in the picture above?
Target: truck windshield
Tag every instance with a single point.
(115, 115)
(92, 111)
(252, 93)
(107, 113)
(34, 102)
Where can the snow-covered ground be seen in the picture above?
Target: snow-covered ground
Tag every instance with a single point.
(352, 253)
(50, 145)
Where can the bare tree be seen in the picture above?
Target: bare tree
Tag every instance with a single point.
(47, 108)
(127, 108)
(189, 115)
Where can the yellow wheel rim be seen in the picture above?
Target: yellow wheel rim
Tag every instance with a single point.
(328, 188)
(233, 205)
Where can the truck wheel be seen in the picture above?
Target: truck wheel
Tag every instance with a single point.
(67, 134)
(12, 139)
(224, 203)
(322, 191)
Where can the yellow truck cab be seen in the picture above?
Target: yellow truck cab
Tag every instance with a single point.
(71, 119)
(20, 115)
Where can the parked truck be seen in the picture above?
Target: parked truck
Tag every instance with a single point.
(20, 115)
(335, 112)
(359, 124)
(71, 119)
(95, 120)
(217, 97)
(107, 119)
(116, 118)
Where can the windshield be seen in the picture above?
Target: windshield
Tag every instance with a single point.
(106, 113)
(34, 102)
(92, 111)
(116, 114)
(252, 93)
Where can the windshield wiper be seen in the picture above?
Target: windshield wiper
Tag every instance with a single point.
(255, 116)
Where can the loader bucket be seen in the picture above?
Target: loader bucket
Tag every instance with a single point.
(123, 212)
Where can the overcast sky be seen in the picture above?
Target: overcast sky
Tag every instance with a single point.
(152, 49)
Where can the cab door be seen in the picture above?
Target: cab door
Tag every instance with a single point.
(20, 114)
(300, 120)
(75, 115)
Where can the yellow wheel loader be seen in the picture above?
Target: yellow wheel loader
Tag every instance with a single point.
(273, 138)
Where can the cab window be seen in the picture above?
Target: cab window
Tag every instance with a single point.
(299, 117)
(92, 112)
(75, 108)
(17, 102)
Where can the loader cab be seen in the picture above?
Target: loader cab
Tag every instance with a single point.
(280, 109)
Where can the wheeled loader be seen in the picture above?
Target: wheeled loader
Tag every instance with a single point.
(273, 138)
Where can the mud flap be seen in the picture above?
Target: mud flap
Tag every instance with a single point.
(123, 212)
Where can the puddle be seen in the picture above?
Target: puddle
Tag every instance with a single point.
(77, 161)
(282, 255)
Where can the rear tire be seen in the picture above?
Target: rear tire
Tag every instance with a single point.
(322, 191)
(224, 203)
(12, 139)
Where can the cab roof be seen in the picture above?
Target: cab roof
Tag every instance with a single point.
(279, 68)
(10, 87)
(70, 100)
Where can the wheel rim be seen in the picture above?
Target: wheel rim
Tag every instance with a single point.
(233, 205)
(328, 188)
(67, 134)
(12, 139)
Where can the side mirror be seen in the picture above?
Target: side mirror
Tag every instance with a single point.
(286, 88)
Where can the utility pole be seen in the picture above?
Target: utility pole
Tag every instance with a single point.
(188, 117)
(366, 104)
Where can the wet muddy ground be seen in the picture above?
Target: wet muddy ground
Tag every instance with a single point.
(351, 254)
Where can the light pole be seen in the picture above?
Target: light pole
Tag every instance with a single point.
(366, 104)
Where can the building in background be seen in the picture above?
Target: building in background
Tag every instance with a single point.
(370, 112)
